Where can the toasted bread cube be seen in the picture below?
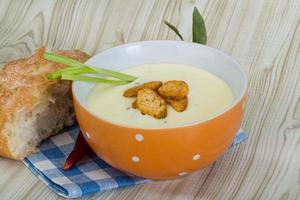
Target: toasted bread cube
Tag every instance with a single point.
(153, 85)
(134, 105)
(150, 103)
(178, 105)
(132, 92)
(174, 89)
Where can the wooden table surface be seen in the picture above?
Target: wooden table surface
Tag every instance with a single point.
(263, 35)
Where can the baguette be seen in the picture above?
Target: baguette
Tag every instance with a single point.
(32, 108)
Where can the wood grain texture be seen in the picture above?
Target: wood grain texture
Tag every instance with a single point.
(263, 35)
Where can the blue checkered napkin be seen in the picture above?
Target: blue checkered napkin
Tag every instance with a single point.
(90, 176)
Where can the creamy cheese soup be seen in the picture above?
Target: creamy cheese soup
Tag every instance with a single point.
(208, 96)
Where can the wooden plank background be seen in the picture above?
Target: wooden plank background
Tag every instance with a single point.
(263, 35)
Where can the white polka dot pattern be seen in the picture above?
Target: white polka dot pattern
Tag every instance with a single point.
(196, 157)
(139, 137)
(182, 173)
(87, 135)
(135, 159)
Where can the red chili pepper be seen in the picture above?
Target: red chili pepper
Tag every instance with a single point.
(80, 149)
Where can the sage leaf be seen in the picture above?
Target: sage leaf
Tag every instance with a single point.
(173, 28)
(199, 30)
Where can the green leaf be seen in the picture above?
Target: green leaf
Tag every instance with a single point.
(173, 28)
(199, 30)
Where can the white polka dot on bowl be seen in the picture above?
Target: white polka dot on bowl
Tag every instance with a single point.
(196, 157)
(87, 135)
(135, 159)
(182, 173)
(139, 137)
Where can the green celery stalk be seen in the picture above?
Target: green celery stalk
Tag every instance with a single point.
(70, 70)
(73, 63)
(92, 79)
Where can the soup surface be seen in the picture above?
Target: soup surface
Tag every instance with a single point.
(208, 96)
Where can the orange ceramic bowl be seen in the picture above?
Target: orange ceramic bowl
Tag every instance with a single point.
(163, 153)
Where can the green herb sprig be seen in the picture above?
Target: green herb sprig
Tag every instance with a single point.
(199, 29)
(78, 71)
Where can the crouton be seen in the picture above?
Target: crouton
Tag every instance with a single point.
(174, 89)
(134, 105)
(150, 103)
(153, 85)
(178, 105)
(132, 92)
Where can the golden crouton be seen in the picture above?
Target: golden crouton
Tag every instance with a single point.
(178, 105)
(150, 103)
(132, 92)
(134, 105)
(153, 85)
(174, 89)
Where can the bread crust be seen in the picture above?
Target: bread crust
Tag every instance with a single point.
(23, 83)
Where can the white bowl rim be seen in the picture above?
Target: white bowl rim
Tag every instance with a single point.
(237, 99)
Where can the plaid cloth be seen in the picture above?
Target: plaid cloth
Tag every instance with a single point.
(90, 176)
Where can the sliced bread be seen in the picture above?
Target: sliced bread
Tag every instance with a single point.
(32, 108)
